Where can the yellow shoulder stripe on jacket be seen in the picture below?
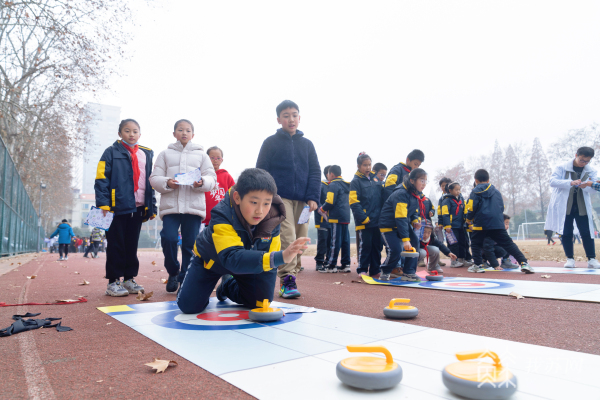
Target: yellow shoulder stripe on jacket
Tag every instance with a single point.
(224, 236)
(401, 210)
(329, 198)
(353, 197)
(469, 206)
(100, 170)
(391, 180)
(145, 148)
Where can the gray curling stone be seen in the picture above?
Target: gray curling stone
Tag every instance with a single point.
(468, 379)
(434, 276)
(410, 254)
(266, 313)
(370, 373)
(400, 312)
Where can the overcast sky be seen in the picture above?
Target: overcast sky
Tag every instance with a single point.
(382, 77)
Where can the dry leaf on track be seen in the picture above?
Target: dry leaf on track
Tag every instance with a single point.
(517, 295)
(153, 262)
(76, 273)
(65, 301)
(99, 381)
(160, 365)
(31, 277)
(144, 296)
(338, 283)
(163, 280)
(64, 266)
(546, 276)
(355, 282)
(84, 283)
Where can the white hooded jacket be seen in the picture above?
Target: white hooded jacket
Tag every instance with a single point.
(177, 159)
(557, 209)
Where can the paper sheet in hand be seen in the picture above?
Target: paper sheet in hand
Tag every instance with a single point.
(97, 219)
(189, 177)
(305, 216)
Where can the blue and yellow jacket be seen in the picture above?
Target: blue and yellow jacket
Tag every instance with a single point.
(485, 208)
(365, 200)
(428, 207)
(320, 221)
(439, 210)
(453, 212)
(399, 212)
(394, 178)
(114, 182)
(230, 242)
(337, 202)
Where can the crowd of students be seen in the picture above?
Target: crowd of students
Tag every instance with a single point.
(246, 234)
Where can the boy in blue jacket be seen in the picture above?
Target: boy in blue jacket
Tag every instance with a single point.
(395, 177)
(242, 245)
(485, 217)
(337, 207)
(292, 161)
(65, 233)
(323, 229)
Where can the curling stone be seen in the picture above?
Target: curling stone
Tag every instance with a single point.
(434, 276)
(478, 379)
(265, 314)
(400, 312)
(412, 253)
(371, 373)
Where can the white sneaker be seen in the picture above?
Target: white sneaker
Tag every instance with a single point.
(116, 290)
(66, 258)
(593, 263)
(476, 268)
(60, 259)
(456, 264)
(132, 287)
(571, 263)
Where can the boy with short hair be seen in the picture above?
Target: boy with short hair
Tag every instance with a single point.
(414, 159)
(485, 217)
(323, 229)
(292, 161)
(224, 182)
(337, 207)
(242, 245)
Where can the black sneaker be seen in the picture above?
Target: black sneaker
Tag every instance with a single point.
(220, 295)
(321, 268)
(345, 269)
(172, 284)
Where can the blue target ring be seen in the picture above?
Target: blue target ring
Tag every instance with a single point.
(459, 284)
(215, 319)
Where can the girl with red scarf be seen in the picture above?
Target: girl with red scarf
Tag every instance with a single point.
(122, 187)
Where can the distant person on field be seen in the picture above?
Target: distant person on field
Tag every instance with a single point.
(323, 229)
(65, 233)
(292, 161)
(570, 202)
(549, 235)
(224, 182)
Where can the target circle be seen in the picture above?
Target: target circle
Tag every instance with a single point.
(464, 284)
(215, 319)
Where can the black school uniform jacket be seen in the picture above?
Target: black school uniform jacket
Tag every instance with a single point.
(365, 200)
(485, 208)
(320, 221)
(399, 211)
(453, 212)
(229, 241)
(394, 178)
(114, 181)
(337, 202)
(428, 207)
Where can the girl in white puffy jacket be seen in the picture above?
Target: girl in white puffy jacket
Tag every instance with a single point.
(181, 206)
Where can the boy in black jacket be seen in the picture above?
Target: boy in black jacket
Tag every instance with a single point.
(337, 207)
(486, 218)
(395, 177)
(323, 229)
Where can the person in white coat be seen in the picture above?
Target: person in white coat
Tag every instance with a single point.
(181, 206)
(570, 201)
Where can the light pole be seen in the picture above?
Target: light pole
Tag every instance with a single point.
(42, 186)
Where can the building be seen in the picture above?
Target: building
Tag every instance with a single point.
(103, 127)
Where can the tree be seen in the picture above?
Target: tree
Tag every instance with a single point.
(497, 165)
(459, 174)
(566, 147)
(538, 172)
(514, 178)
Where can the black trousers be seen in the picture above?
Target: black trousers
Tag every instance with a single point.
(492, 252)
(122, 244)
(63, 249)
(584, 229)
(323, 246)
(459, 248)
(93, 247)
(500, 236)
(369, 246)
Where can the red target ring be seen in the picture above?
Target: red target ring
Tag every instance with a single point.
(225, 315)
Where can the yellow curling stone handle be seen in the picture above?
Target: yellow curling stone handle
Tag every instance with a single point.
(265, 307)
(473, 355)
(394, 301)
(371, 349)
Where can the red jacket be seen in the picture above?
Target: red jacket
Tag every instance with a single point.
(224, 182)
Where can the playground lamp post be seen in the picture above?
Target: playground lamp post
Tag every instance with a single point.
(42, 186)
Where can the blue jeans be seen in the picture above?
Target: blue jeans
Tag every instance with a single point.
(169, 236)
(245, 289)
(395, 247)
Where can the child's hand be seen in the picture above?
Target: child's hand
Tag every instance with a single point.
(407, 246)
(199, 183)
(172, 183)
(104, 212)
(297, 247)
(452, 256)
(313, 205)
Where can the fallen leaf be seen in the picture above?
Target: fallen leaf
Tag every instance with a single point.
(144, 296)
(109, 323)
(355, 282)
(84, 283)
(12, 263)
(157, 270)
(31, 277)
(80, 295)
(160, 365)
(546, 276)
(153, 262)
(163, 280)
(517, 295)
(65, 301)
(76, 273)
(42, 333)
(18, 263)
(99, 381)
(337, 283)
(64, 266)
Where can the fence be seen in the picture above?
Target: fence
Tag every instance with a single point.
(18, 219)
